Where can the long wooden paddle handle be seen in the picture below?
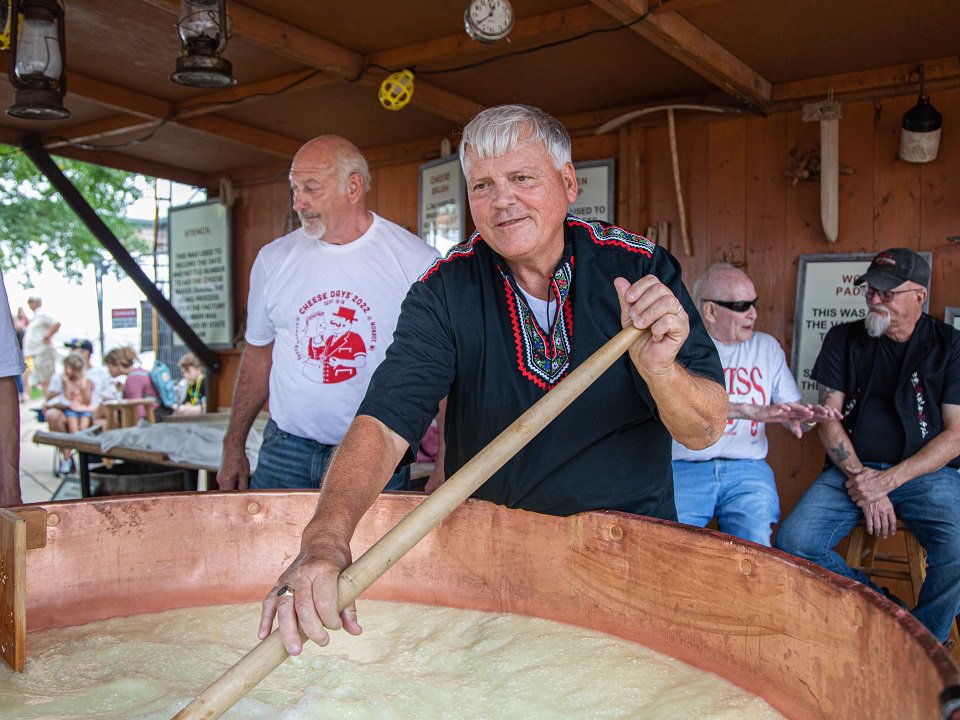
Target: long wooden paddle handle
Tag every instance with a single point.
(221, 695)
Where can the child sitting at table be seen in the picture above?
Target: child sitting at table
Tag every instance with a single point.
(193, 398)
(75, 401)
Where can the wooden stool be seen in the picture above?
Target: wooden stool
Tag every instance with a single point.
(123, 413)
(862, 555)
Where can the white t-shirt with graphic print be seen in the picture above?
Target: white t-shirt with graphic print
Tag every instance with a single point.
(755, 372)
(330, 312)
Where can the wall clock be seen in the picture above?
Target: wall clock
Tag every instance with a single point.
(488, 21)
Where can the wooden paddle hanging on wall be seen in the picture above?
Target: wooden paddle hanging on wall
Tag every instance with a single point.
(828, 114)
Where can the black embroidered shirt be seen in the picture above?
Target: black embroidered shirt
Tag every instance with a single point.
(465, 332)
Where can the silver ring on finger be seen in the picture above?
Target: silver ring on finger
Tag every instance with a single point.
(284, 590)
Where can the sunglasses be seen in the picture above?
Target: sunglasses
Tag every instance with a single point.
(887, 295)
(738, 306)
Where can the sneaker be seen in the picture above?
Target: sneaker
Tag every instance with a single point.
(66, 466)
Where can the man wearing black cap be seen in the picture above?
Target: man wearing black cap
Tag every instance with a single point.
(895, 376)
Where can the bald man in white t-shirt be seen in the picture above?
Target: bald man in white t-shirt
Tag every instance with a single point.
(321, 311)
(731, 479)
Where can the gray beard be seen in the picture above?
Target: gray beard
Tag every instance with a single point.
(313, 227)
(876, 324)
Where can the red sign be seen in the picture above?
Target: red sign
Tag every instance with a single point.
(124, 317)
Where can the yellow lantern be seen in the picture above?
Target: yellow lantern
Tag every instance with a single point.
(396, 90)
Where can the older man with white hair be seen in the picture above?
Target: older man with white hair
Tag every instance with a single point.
(895, 377)
(731, 479)
(493, 327)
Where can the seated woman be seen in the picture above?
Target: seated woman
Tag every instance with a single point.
(124, 361)
(193, 399)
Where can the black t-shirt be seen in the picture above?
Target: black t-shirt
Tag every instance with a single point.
(196, 391)
(879, 435)
(894, 392)
(465, 332)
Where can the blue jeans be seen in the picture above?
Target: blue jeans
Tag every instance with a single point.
(742, 494)
(289, 461)
(928, 504)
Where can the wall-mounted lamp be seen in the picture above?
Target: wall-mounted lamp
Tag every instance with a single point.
(920, 131)
(203, 36)
(37, 69)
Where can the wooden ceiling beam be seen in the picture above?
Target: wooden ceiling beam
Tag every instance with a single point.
(432, 99)
(112, 96)
(279, 37)
(411, 151)
(137, 106)
(300, 46)
(637, 7)
(532, 30)
(141, 166)
(586, 123)
(271, 142)
(684, 42)
(939, 74)
(117, 97)
(248, 92)
(282, 39)
(255, 137)
(99, 130)
(680, 6)
(11, 136)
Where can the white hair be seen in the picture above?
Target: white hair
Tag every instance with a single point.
(496, 131)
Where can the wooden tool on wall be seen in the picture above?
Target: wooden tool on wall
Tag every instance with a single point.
(828, 114)
(674, 156)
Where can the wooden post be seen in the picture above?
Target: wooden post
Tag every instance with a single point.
(13, 593)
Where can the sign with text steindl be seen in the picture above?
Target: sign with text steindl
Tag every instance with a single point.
(826, 296)
(201, 286)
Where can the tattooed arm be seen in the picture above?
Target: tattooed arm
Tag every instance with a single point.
(878, 514)
(834, 437)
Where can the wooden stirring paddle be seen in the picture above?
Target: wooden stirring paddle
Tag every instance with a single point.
(221, 695)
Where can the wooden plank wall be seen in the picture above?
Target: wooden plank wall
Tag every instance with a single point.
(740, 207)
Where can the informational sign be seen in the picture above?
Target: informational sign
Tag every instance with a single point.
(200, 279)
(595, 196)
(123, 318)
(826, 296)
(442, 206)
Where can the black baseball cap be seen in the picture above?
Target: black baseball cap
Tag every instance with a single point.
(79, 344)
(894, 267)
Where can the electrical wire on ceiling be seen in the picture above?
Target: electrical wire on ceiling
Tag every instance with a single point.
(509, 54)
(363, 70)
(174, 114)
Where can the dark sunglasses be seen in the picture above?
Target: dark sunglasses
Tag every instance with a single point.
(738, 306)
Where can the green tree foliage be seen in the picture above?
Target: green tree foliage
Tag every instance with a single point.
(36, 222)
